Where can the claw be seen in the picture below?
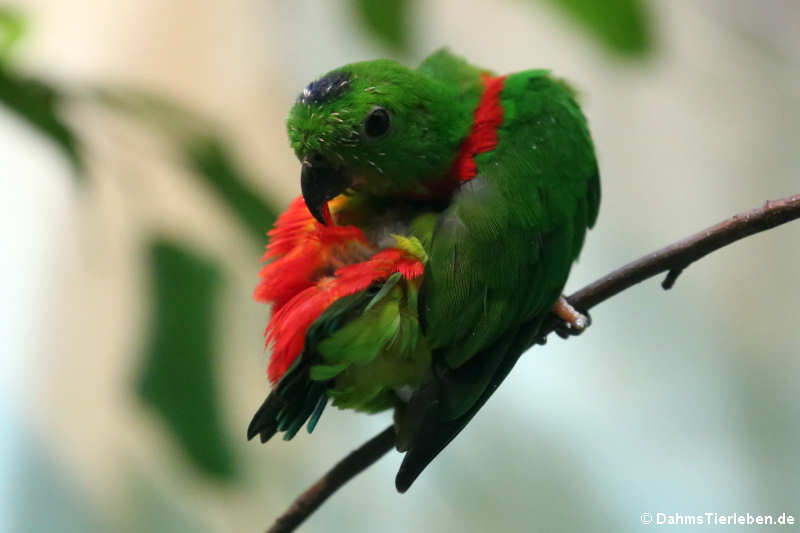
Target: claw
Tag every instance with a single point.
(574, 323)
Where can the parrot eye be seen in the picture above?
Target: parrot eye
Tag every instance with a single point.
(377, 123)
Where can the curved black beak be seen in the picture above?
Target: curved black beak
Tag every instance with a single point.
(320, 182)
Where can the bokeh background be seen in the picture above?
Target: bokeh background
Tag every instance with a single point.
(143, 158)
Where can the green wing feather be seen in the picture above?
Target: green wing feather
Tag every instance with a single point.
(359, 352)
(297, 398)
(378, 352)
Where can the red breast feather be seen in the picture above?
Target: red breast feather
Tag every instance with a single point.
(311, 267)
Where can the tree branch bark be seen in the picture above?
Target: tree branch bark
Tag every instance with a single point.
(672, 259)
(344, 471)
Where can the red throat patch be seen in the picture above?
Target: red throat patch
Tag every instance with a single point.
(310, 267)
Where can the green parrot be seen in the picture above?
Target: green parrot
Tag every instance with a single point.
(442, 208)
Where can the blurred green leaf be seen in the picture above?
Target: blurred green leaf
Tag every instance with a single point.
(161, 113)
(178, 379)
(12, 28)
(622, 25)
(32, 99)
(388, 20)
(210, 159)
(38, 103)
(204, 152)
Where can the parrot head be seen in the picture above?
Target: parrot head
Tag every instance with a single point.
(376, 127)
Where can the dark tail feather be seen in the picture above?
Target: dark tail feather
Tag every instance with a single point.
(265, 421)
(436, 432)
(433, 436)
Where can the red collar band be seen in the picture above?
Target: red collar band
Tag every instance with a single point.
(483, 134)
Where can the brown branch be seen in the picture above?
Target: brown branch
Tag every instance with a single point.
(672, 259)
(344, 471)
(676, 257)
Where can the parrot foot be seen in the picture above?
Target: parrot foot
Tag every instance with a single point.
(573, 321)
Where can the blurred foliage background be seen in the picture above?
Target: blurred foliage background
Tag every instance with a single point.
(144, 159)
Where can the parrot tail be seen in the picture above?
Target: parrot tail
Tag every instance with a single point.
(265, 421)
(473, 383)
(294, 401)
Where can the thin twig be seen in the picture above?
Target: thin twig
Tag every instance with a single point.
(672, 259)
(681, 254)
(344, 471)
